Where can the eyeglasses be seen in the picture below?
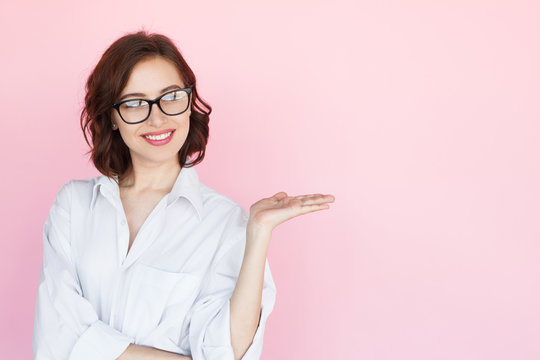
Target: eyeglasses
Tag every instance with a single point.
(134, 111)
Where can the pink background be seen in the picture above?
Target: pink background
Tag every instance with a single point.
(420, 117)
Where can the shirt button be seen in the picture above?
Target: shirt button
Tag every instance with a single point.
(123, 222)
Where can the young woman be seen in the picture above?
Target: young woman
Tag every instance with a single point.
(146, 261)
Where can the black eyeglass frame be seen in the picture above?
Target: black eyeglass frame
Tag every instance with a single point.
(152, 102)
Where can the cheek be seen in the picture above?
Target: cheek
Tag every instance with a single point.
(128, 134)
(181, 133)
(183, 125)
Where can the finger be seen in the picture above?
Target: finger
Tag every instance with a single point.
(313, 207)
(305, 196)
(280, 195)
(327, 196)
(316, 199)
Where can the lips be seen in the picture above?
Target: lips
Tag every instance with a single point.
(154, 133)
(159, 141)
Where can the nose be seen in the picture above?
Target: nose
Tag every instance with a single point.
(156, 117)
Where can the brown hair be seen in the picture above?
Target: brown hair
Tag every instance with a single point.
(110, 154)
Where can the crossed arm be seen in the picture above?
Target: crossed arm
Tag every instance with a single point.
(245, 303)
(138, 352)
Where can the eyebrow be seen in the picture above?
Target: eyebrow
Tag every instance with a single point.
(170, 87)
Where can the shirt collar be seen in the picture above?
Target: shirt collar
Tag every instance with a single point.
(186, 185)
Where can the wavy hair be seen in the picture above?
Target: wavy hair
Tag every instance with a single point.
(109, 153)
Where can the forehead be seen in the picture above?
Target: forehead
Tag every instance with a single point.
(152, 74)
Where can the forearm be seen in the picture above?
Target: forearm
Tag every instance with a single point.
(139, 352)
(246, 299)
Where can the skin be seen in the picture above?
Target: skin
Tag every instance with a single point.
(155, 168)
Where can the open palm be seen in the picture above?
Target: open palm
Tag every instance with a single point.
(270, 212)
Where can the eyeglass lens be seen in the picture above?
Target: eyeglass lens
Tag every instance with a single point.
(173, 103)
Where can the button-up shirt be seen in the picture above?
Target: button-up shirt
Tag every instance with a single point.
(171, 291)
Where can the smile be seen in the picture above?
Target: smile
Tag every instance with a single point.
(158, 137)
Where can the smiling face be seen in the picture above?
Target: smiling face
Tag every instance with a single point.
(150, 78)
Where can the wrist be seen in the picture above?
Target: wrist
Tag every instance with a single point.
(257, 237)
(257, 228)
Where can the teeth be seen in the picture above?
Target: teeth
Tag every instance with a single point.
(158, 137)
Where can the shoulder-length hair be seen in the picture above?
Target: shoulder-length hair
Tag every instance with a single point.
(110, 154)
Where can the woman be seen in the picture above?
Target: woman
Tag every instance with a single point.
(145, 261)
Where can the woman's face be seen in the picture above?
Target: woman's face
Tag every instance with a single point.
(150, 78)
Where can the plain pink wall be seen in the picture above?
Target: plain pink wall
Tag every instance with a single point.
(421, 117)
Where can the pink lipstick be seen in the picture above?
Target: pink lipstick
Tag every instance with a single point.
(159, 138)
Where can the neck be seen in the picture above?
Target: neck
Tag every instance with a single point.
(151, 177)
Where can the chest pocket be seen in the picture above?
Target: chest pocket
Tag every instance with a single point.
(157, 304)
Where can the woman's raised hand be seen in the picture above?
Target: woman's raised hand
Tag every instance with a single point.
(269, 212)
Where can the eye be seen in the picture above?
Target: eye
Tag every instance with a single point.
(134, 104)
(174, 96)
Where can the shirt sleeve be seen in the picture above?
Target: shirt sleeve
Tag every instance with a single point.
(66, 326)
(209, 331)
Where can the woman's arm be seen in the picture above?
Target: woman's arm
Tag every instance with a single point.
(247, 294)
(264, 216)
(66, 325)
(138, 352)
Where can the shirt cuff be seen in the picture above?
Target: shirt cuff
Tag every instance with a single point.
(217, 339)
(100, 342)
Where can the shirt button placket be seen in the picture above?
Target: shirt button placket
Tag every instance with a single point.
(123, 240)
(116, 318)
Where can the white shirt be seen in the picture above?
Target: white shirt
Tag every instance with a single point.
(172, 291)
